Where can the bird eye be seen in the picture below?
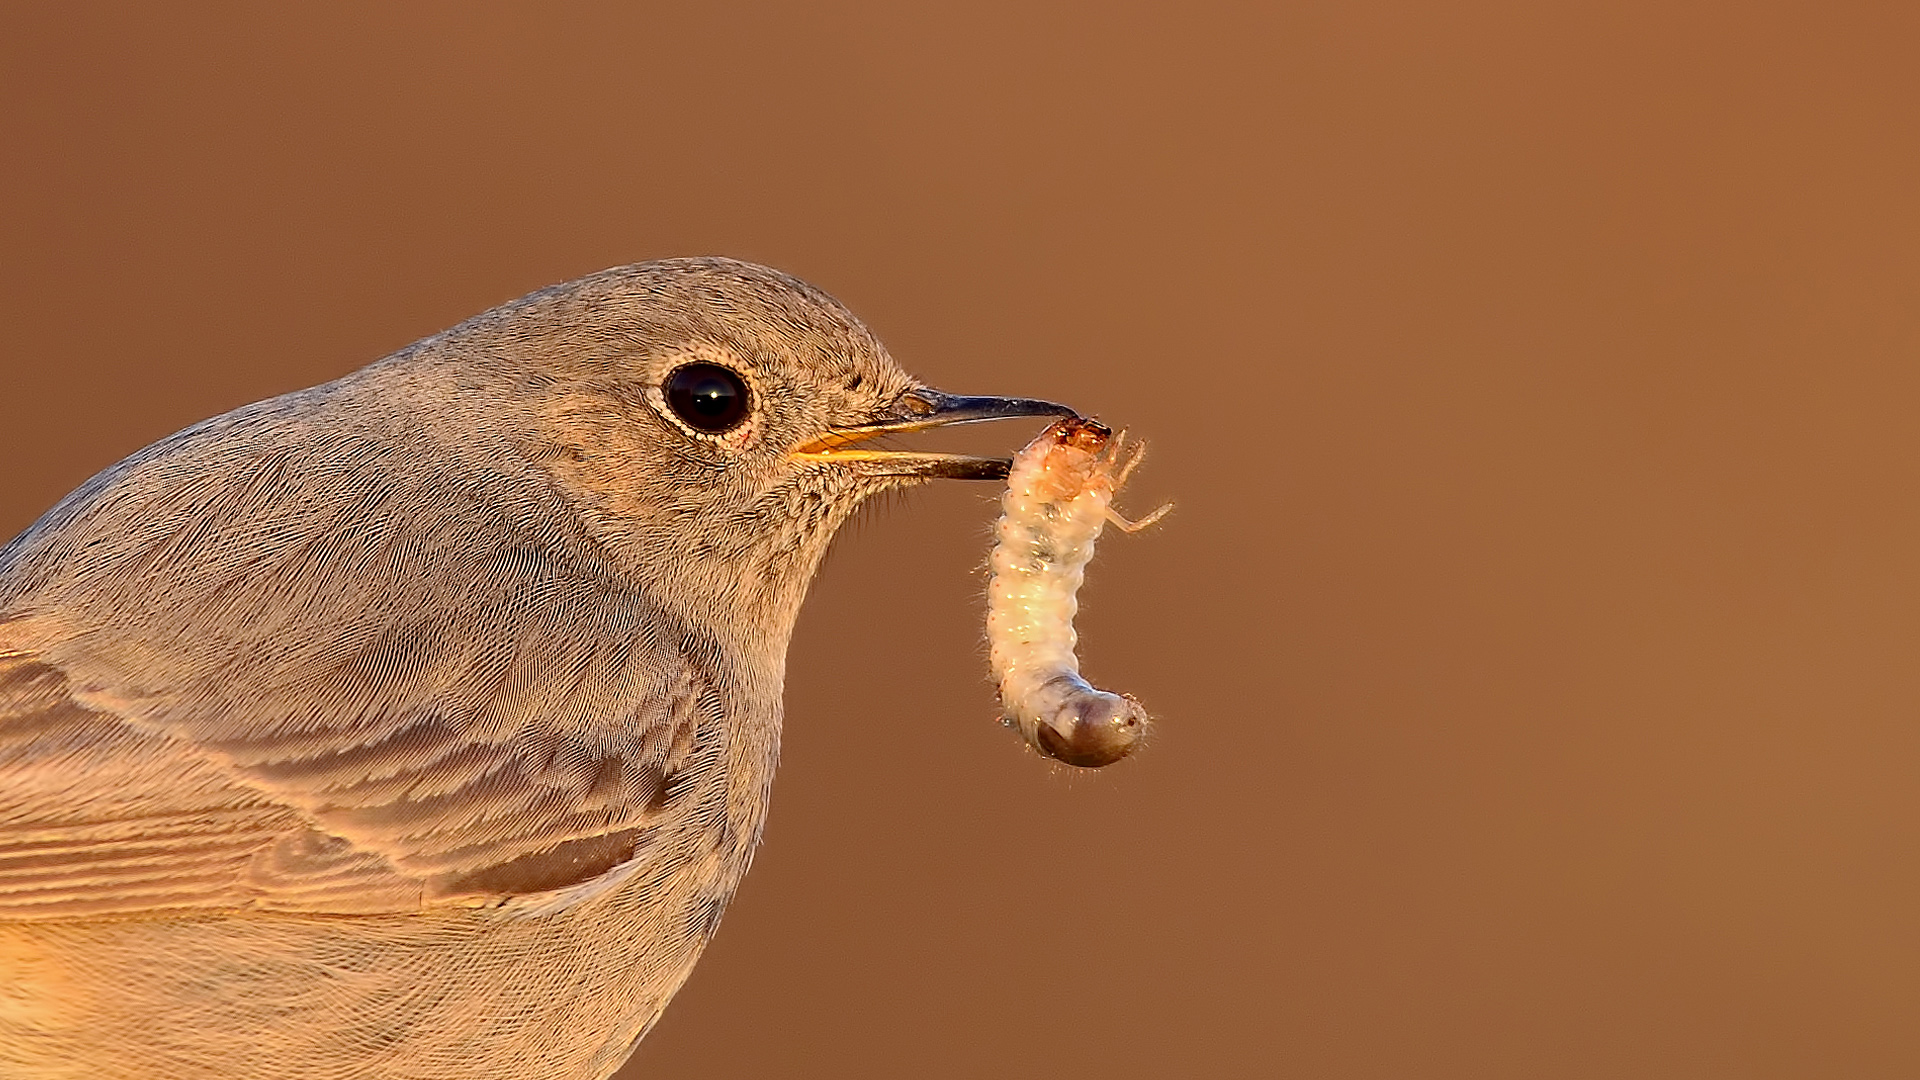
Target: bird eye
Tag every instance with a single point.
(708, 397)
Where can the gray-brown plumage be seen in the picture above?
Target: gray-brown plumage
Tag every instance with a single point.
(421, 724)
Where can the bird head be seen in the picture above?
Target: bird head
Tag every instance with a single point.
(712, 421)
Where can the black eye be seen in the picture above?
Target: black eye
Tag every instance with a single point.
(709, 398)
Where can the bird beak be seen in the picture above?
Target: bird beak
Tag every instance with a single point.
(918, 410)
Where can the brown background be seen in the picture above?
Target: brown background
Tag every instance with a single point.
(1536, 636)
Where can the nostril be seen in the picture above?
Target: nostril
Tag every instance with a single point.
(918, 403)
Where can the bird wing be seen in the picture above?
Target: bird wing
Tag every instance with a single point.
(97, 817)
(102, 813)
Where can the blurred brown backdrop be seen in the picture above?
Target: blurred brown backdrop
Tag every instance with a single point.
(1536, 637)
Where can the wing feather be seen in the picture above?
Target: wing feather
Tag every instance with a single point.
(101, 817)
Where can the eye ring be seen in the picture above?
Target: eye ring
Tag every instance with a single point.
(708, 398)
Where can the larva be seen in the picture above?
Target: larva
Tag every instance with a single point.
(1059, 494)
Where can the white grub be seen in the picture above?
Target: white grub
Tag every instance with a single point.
(1059, 494)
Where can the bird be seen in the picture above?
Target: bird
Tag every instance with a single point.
(422, 723)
